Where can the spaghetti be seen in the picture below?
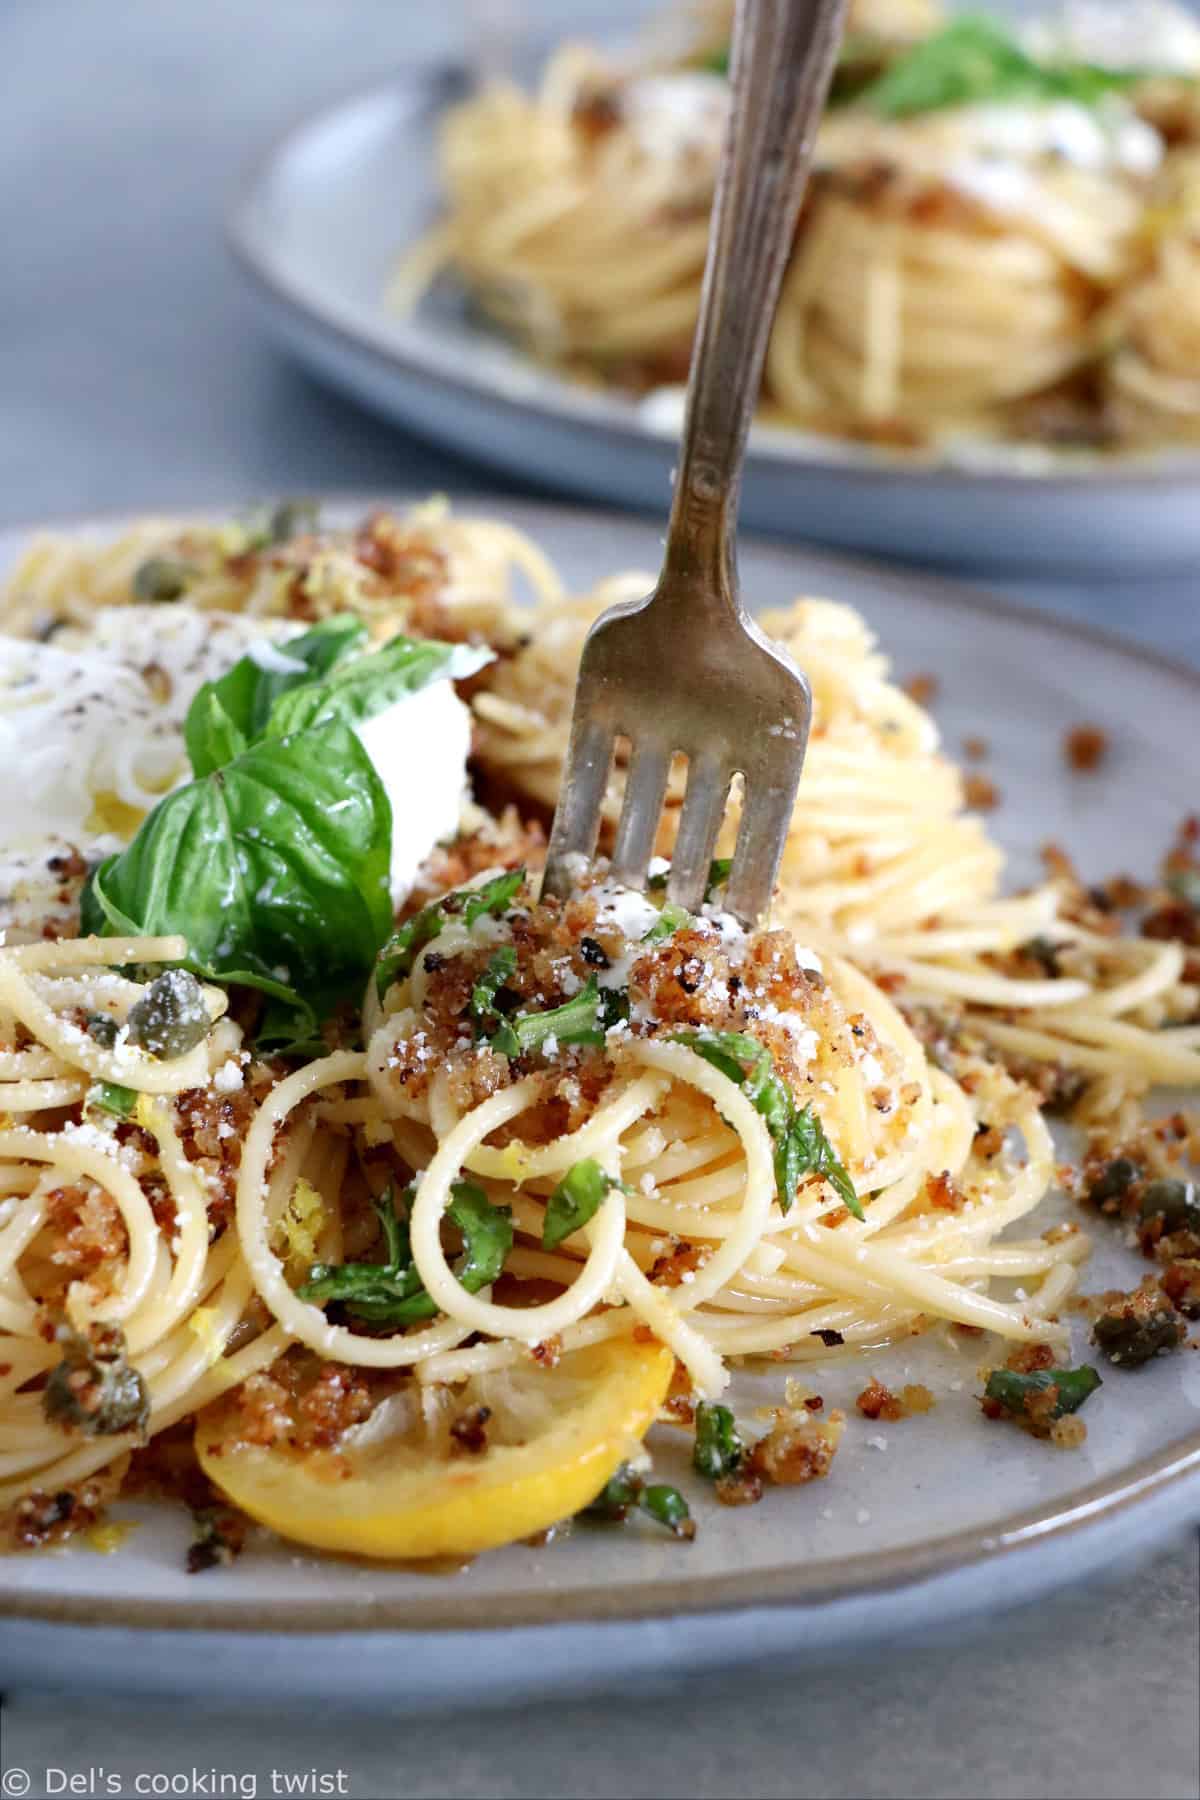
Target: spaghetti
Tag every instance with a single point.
(538, 1135)
(974, 228)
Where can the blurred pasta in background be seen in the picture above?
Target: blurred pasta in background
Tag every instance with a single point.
(1001, 239)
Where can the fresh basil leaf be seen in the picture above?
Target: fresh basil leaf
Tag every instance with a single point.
(392, 1293)
(575, 1200)
(974, 59)
(237, 707)
(398, 955)
(361, 686)
(212, 737)
(614, 1007)
(274, 868)
(110, 1097)
(801, 1146)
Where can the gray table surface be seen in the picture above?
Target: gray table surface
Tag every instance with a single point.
(132, 375)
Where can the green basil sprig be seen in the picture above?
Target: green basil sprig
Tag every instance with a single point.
(226, 716)
(801, 1146)
(273, 863)
(319, 678)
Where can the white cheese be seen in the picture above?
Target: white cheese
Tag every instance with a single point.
(675, 117)
(1105, 137)
(1156, 36)
(419, 748)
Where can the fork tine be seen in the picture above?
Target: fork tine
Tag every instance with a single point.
(644, 789)
(703, 809)
(577, 816)
(766, 815)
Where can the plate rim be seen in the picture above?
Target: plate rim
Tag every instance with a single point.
(795, 1586)
(600, 415)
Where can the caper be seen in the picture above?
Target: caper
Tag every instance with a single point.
(1185, 885)
(103, 1028)
(171, 1017)
(1174, 1201)
(293, 519)
(1117, 1177)
(94, 1389)
(1132, 1335)
(266, 526)
(161, 578)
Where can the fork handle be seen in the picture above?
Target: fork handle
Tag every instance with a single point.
(783, 54)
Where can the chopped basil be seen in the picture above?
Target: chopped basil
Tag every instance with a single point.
(392, 1292)
(575, 1200)
(111, 1097)
(718, 1450)
(671, 919)
(718, 875)
(501, 964)
(614, 1007)
(973, 60)
(576, 1021)
(398, 955)
(625, 1490)
(801, 1146)
(1013, 1392)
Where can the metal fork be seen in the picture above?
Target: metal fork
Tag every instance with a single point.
(687, 670)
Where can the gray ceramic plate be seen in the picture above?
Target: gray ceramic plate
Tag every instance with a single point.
(317, 229)
(951, 1519)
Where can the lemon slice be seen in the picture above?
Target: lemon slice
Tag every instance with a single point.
(403, 1485)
